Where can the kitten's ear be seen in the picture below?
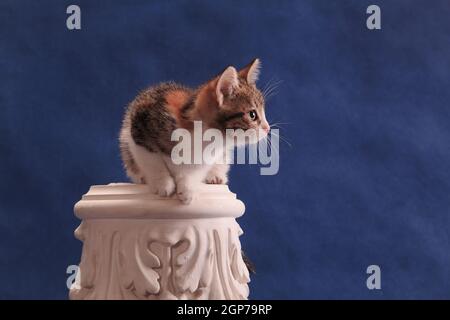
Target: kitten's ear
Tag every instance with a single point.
(227, 81)
(251, 72)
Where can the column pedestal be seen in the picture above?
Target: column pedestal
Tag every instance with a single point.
(137, 245)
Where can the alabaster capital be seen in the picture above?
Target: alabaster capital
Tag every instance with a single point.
(137, 245)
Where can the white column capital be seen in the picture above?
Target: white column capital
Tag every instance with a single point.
(137, 245)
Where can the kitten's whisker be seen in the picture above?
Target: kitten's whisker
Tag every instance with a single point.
(276, 126)
(270, 96)
(268, 84)
(271, 91)
(285, 141)
(264, 90)
(273, 85)
(278, 135)
(282, 139)
(276, 123)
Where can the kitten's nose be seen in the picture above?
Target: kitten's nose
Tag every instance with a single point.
(265, 127)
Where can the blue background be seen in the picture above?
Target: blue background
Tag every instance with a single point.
(366, 181)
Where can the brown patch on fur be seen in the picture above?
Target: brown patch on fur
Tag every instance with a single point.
(153, 115)
(151, 122)
(206, 104)
(176, 100)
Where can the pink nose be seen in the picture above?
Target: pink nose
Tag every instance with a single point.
(266, 128)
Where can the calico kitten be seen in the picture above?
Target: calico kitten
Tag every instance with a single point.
(229, 101)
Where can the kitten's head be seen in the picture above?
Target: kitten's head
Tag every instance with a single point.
(238, 103)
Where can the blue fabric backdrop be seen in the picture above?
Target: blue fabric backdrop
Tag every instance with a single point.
(366, 181)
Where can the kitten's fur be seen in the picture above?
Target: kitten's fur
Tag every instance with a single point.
(224, 102)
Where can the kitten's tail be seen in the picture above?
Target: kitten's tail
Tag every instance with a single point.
(250, 266)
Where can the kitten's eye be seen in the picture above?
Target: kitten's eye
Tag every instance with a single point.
(253, 115)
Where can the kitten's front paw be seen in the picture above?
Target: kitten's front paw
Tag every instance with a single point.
(185, 194)
(216, 178)
(185, 197)
(164, 187)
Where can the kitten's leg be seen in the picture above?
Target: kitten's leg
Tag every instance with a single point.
(155, 172)
(187, 178)
(144, 166)
(218, 174)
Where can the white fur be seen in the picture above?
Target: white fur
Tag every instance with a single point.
(164, 177)
(218, 174)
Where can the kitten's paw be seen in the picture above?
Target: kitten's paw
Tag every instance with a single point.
(166, 187)
(216, 178)
(185, 194)
(163, 187)
(185, 197)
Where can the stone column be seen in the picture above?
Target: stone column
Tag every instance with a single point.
(137, 245)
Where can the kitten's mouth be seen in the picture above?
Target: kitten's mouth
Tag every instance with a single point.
(246, 136)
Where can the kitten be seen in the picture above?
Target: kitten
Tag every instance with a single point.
(229, 101)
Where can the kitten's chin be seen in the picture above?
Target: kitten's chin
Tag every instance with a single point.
(262, 134)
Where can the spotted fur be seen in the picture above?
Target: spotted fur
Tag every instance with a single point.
(145, 139)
